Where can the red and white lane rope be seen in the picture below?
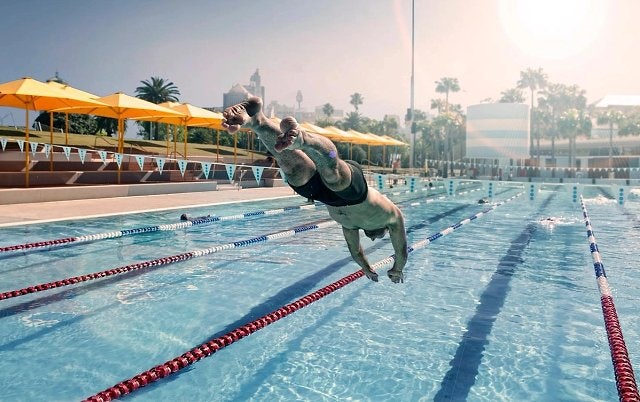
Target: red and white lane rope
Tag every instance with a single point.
(165, 260)
(50, 244)
(210, 347)
(625, 379)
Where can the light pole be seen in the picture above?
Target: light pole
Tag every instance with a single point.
(411, 130)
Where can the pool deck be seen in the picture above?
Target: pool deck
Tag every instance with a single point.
(39, 212)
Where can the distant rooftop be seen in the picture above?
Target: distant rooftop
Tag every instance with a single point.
(619, 101)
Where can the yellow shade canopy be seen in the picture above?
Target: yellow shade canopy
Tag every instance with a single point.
(27, 93)
(393, 141)
(69, 89)
(123, 106)
(191, 115)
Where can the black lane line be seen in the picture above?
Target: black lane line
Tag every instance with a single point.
(457, 382)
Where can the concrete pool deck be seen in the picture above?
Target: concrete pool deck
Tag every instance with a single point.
(49, 211)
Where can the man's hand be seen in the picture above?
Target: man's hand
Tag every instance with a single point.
(370, 274)
(396, 275)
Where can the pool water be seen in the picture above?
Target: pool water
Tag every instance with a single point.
(505, 308)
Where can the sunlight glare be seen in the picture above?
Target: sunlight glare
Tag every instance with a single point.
(552, 29)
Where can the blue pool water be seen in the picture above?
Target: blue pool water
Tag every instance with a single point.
(505, 308)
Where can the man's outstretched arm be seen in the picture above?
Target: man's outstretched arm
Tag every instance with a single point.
(398, 237)
(352, 236)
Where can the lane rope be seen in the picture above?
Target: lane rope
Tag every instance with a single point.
(210, 347)
(28, 247)
(158, 262)
(623, 370)
(77, 240)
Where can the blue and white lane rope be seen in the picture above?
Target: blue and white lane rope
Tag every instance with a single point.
(424, 243)
(50, 244)
(623, 370)
(167, 260)
(212, 346)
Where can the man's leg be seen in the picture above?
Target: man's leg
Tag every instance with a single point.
(334, 171)
(298, 167)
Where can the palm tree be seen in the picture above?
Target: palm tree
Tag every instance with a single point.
(611, 117)
(511, 95)
(156, 90)
(446, 85)
(571, 123)
(328, 110)
(533, 80)
(356, 100)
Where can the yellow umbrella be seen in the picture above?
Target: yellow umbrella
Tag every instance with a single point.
(67, 89)
(191, 116)
(121, 106)
(29, 94)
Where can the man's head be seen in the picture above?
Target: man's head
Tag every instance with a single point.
(376, 233)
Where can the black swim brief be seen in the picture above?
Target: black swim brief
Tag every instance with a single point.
(316, 190)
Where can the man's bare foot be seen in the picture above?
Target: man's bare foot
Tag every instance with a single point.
(238, 115)
(370, 274)
(396, 276)
(292, 135)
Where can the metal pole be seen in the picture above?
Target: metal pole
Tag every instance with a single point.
(413, 134)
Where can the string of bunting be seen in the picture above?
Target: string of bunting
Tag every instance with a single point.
(107, 157)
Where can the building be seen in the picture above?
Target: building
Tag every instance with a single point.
(239, 93)
(498, 131)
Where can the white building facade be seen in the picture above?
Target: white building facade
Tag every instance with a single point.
(498, 131)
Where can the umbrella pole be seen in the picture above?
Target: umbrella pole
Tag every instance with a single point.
(175, 151)
(369, 155)
(26, 158)
(235, 147)
(169, 128)
(51, 141)
(66, 129)
(120, 145)
(217, 145)
(185, 140)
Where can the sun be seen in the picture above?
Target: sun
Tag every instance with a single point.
(552, 29)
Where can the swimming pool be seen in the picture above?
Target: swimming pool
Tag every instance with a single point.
(505, 308)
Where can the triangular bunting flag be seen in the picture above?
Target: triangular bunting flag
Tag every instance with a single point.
(231, 169)
(3, 142)
(83, 154)
(103, 156)
(206, 168)
(140, 160)
(182, 164)
(21, 145)
(67, 151)
(160, 163)
(119, 159)
(47, 149)
(257, 172)
(34, 147)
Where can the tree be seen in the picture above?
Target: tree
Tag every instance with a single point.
(299, 98)
(571, 123)
(156, 90)
(533, 80)
(611, 118)
(356, 100)
(511, 95)
(557, 99)
(446, 85)
(328, 110)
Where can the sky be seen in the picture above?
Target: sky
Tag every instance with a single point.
(327, 49)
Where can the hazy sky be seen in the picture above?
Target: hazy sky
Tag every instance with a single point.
(328, 49)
